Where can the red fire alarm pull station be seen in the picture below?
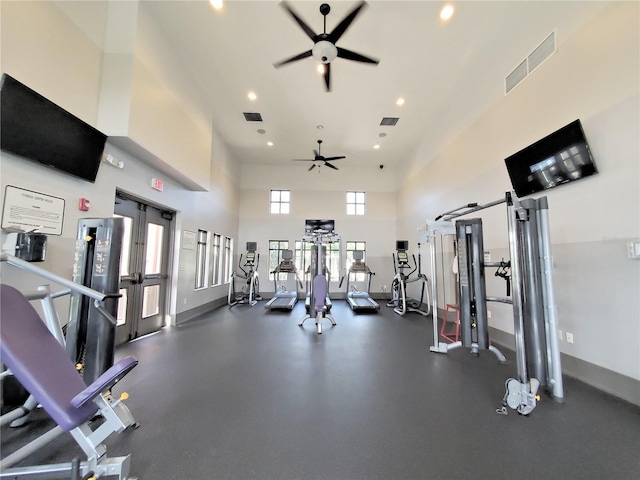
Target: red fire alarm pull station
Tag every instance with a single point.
(84, 204)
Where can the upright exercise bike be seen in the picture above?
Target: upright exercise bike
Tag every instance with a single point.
(250, 290)
(399, 301)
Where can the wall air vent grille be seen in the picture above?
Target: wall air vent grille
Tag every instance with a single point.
(389, 121)
(516, 76)
(536, 58)
(542, 52)
(252, 117)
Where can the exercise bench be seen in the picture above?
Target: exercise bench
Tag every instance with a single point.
(43, 367)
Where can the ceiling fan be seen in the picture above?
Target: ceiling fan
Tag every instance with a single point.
(319, 160)
(324, 49)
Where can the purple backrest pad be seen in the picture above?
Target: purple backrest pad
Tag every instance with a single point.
(319, 292)
(39, 362)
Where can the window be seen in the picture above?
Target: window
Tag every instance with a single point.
(228, 258)
(333, 261)
(332, 258)
(351, 247)
(201, 259)
(280, 201)
(216, 257)
(355, 203)
(275, 255)
(302, 256)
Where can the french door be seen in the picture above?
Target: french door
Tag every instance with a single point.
(144, 263)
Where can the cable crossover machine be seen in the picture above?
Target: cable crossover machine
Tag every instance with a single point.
(531, 295)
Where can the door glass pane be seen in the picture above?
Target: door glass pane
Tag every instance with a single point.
(151, 301)
(122, 308)
(125, 255)
(153, 263)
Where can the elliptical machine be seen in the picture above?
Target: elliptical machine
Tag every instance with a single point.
(399, 301)
(250, 290)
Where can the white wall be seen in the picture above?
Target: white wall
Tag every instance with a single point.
(45, 50)
(320, 195)
(594, 76)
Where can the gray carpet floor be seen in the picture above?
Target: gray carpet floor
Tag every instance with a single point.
(245, 393)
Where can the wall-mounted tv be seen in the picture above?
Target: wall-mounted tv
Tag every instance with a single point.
(561, 157)
(35, 128)
(319, 226)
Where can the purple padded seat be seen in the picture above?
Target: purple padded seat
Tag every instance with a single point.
(42, 365)
(320, 293)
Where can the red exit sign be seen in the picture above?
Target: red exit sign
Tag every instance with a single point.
(157, 184)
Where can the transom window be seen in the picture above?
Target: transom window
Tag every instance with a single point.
(356, 203)
(280, 202)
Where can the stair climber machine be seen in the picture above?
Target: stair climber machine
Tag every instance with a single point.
(400, 302)
(251, 289)
(284, 299)
(318, 303)
(358, 300)
(529, 291)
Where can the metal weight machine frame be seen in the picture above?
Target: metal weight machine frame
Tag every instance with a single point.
(318, 232)
(532, 296)
(90, 441)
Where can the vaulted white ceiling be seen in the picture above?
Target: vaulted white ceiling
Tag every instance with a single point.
(449, 73)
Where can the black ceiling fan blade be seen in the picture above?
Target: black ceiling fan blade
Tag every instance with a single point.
(337, 32)
(327, 76)
(334, 158)
(293, 59)
(349, 55)
(310, 33)
(303, 160)
(311, 167)
(327, 164)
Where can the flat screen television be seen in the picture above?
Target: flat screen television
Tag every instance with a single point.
(561, 157)
(402, 245)
(37, 129)
(319, 226)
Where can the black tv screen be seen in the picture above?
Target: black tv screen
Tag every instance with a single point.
(37, 129)
(402, 245)
(319, 226)
(561, 157)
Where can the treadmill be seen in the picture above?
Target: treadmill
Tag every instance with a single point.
(357, 300)
(284, 299)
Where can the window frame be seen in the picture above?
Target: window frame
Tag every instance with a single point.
(279, 205)
(202, 260)
(356, 203)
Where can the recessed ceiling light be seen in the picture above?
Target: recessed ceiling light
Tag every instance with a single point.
(376, 146)
(252, 96)
(400, 101)
(261, 131)
(447, 12)
(270, 144)
(319, 127)
(382, 134)
(217, 4)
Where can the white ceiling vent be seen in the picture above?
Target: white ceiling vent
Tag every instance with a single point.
(543, 51)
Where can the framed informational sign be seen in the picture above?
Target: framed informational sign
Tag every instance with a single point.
(26, 210)
(188, 240)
